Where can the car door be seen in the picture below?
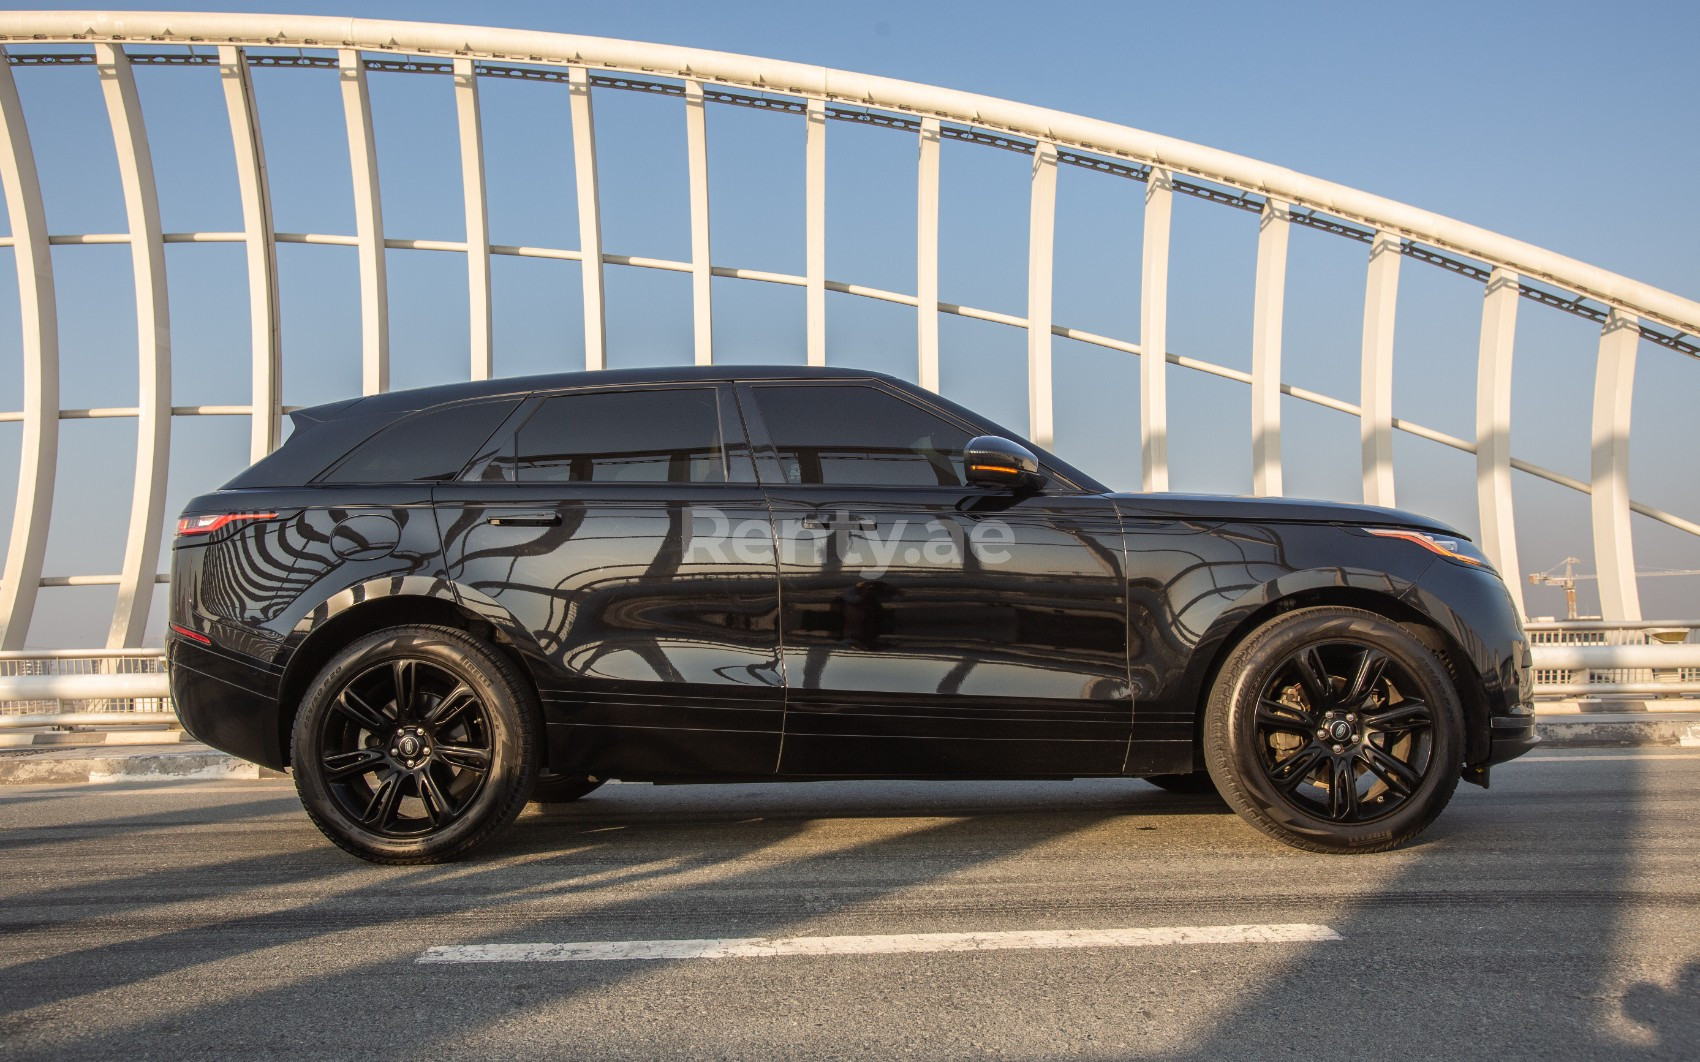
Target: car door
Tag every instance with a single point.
(929, 627)
(605, 522)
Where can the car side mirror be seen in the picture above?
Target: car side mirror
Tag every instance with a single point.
(991, 461)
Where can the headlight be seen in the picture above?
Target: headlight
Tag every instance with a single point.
(1456, 549)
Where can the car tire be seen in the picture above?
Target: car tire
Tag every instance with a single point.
(1334, 730)
(563, 788)
(415, 745)
(1195, 783)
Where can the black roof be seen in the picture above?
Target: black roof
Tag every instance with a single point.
(422, 397)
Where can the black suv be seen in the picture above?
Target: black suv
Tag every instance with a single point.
(438, 604)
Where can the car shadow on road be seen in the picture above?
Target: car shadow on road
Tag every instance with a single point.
(1524, 970)
(733, 868)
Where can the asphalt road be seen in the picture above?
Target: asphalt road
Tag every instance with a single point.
(1557, 916)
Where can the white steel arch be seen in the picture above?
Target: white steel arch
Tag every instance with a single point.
(1627, 311)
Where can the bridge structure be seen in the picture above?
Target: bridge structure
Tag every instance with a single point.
(1515, 277)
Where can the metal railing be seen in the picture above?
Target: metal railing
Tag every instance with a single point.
(1511, 272)
(1577, 659)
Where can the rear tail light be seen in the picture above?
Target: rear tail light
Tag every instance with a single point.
(207, 524)
(178, 628)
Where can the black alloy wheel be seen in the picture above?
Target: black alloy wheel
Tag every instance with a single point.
(413, 745)
(1335, 729)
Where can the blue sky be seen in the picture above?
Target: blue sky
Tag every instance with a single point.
(1567, 125)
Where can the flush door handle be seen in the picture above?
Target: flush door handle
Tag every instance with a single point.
(526, 520)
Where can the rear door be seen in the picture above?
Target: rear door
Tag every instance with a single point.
(623, 529)
(930, 627)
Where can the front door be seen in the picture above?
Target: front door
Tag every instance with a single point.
(929, 627)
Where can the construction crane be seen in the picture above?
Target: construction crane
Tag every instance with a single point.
(1571, 577)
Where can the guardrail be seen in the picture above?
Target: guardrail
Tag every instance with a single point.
(129, 687)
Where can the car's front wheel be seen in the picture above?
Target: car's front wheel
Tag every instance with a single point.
(414, 745)
(1334, 730)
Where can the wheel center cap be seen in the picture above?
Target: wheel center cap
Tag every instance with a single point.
(408, 746)
(1340, 730)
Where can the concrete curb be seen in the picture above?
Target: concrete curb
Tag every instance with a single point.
(46, 765)
(1629, 729)
(95, 764)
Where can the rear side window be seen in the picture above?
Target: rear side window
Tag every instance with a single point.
(430, 446)
(653, 436)
(856, 434)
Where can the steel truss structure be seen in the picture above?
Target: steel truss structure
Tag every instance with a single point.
(115, 43)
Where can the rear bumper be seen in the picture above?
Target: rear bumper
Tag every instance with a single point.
(226, 701)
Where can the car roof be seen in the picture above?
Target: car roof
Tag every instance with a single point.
(423, 397)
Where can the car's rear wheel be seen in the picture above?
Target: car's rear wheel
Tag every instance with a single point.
(414, 745)
(563, 788)
(1335, 730)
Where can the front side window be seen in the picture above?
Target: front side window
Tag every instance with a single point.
(855, 434)
(650, 436)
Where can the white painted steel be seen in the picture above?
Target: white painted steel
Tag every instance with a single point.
(814, 230)
(143, 685)
(801, 79)
(931, 106)
(265, 336)
(368, 224)
(702, 262)
(1154, 332)
(1041, 243)
(1494, 500)
(1375, 419)
(1614, 544)
(38, 456)
(37, 719)
(1624, 689)
(589, 219)
(1615, 657)
(1268, 303)
(153, 347)
(470, 124)
(927, 255)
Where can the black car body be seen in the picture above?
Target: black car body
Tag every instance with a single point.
(776, 573)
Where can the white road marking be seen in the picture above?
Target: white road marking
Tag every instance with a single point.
(894, 944)
(1585, 756)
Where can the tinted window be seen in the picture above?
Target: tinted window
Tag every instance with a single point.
(855, 434)
(664, 436)
(433, 445)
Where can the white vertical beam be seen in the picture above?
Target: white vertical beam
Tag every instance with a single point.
(38, 458)
(265, 338)
(1268, 304)
(1154, 332)
(477, 217)
(153, 343)
(1614, 548)
(589, 219)
(927, 255)
(368, 225)
(1041, 243)
(702, 260)
(1375, 425)
(1493, 429)
(814, 225)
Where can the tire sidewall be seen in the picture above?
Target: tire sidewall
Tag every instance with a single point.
(513, 744)
(1232, 746)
